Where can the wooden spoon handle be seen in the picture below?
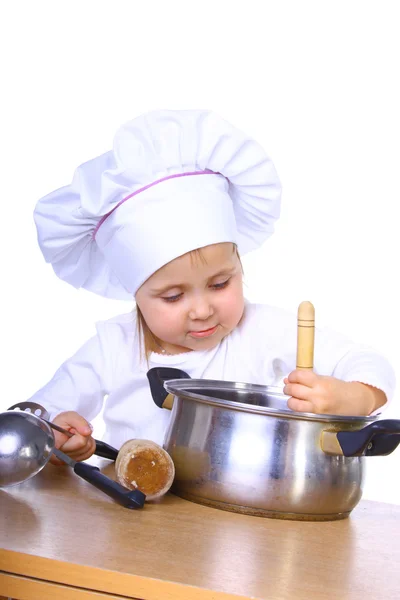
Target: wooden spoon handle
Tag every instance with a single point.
(305, 336)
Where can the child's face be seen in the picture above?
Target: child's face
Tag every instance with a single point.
(190, 303)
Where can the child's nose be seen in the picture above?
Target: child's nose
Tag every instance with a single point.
(200, 309)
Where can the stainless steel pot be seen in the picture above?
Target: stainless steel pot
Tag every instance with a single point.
(238, 447)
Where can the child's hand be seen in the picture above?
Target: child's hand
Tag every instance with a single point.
(327, 395)
(79, 447)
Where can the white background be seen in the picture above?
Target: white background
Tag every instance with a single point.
(317, 83)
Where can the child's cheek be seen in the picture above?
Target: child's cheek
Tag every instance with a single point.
(232, 304)
(168, 317)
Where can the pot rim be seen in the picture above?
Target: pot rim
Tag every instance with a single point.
(181, 388)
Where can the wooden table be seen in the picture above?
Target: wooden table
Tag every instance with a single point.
(63, 539)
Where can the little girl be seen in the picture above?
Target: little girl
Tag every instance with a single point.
(163, 218)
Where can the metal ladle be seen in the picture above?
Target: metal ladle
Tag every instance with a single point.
(102, 449)
(26, 445)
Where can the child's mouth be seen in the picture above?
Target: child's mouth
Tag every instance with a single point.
(204, 333)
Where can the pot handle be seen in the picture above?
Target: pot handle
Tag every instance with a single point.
(378, 439)
(157, 376)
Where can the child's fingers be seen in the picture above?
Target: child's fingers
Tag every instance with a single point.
(75, 444)
(71, 420)
(301, 392)
(75, 424)
(86, 451)
(84, 455)
(60, 438)
(300, 405)
(307, 378)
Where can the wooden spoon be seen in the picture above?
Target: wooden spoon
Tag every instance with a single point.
(305, 336)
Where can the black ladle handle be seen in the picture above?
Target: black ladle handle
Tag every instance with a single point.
(378, 439)
(157, 376)
(93, 475)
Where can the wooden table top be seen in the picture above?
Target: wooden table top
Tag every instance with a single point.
(59, 528)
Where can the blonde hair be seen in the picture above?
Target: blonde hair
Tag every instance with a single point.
(147, 340)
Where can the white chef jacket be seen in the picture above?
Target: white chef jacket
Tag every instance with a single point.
(110, 370)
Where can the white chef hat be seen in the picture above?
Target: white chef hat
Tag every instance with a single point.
(174, 181)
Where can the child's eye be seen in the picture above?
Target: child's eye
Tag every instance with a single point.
(220, 286)
(171, 298)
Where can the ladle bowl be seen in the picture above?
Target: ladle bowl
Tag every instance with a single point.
(26, 444)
